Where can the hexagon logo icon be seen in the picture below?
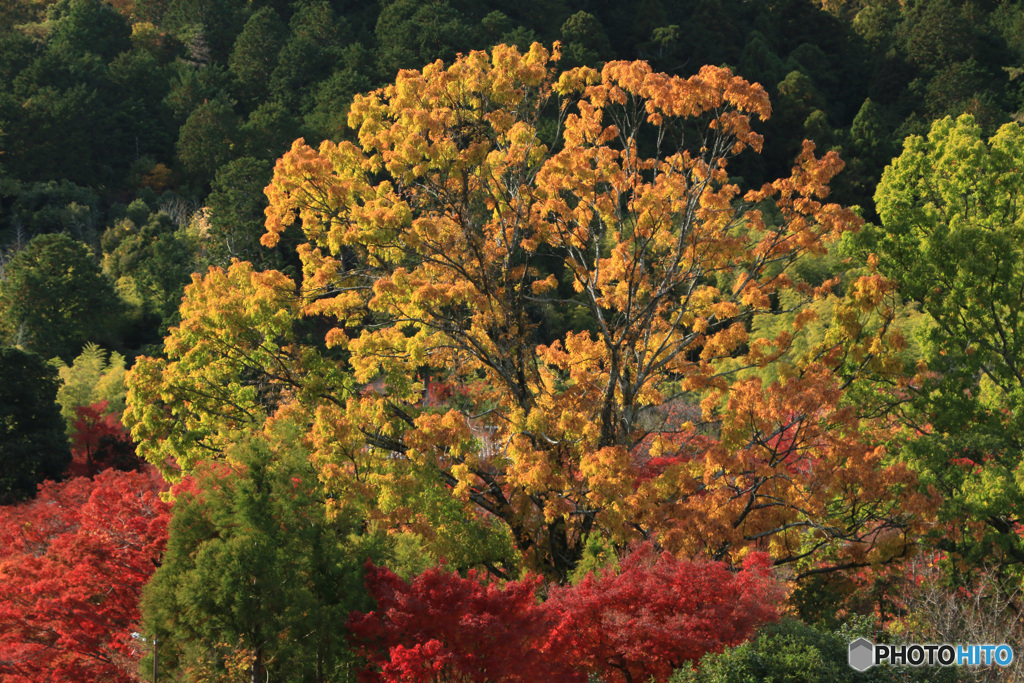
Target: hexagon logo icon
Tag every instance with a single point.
(862, 654)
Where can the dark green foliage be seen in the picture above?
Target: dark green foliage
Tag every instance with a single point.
(55, 133)
(758, 63)
(150, 260)
(192, 85)
(269, 131)
(498, 28)
(236, 212)
(412, 33)
(584, 41)
(16, 54)
(315, 45)
(206, 28)
(143, 81)
(82, 99)
(45, 207)
(209, 138)
(964, 87)
(68, 113)
(936, 33)
(328, 109)
(713, 32)
(87, 26)
(14, 13)
(54, 299)
(254, 56)
(871, 135)
(33, 445)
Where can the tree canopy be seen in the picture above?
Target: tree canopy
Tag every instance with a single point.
(953, 231)
(75, 560)
(523, 310)
(54, 298)
(257, 579)
(439, 246)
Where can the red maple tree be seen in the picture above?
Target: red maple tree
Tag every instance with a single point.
(100, 441)
(651, 617)
(443, 627)
(658, 613)
(74, 562)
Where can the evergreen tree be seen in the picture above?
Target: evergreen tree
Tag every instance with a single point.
(254, 55)
(54, 299)
(33, 445)
(256, 578)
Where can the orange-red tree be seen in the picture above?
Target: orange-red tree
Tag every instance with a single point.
(443, 627)
(657, 614)
(99, 441)
(74, 562)
(488, 200)
(638, 624)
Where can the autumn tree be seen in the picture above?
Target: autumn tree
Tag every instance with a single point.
(483, 194)
(99, 441)
(639, 622)
(444, 627)
(657, 613)
(74, 563)
(233, 362)
(952, 237)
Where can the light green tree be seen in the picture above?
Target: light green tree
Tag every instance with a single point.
(952, 212)
(95, 375)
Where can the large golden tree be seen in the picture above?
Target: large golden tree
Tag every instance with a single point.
(485, 204)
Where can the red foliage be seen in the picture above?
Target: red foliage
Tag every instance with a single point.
(100, 442)
(443, 627)
(658, 613)
(74, 562)
(654, 616)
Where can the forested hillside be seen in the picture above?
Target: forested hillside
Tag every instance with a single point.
(547, 340)
(148, 130)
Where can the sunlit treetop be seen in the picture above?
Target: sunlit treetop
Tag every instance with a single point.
(570, 250)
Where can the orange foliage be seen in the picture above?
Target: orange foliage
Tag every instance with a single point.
(429, 246)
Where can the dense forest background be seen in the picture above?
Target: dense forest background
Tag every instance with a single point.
(146, 131)
(136, 141)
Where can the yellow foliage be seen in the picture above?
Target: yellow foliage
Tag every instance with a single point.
(425, 247)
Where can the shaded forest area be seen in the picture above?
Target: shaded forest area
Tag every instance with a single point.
(671, 341)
